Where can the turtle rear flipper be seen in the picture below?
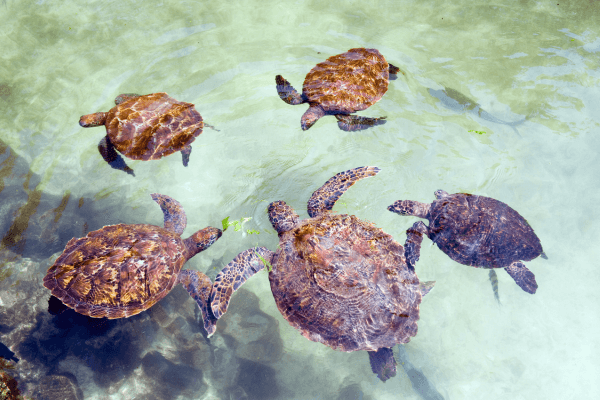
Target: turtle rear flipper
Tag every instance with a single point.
(185, 155)
(110, 155)
(324, 198)
(242, 267)
(383, 363)
(199, 287)
(351, 123)
(522, 276)
(287, 93)
(392, 69)
(494, 280)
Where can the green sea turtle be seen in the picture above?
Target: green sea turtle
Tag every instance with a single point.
(341, 85)
(478, 231)
(146, 127)
(121, 270)
(337, 279)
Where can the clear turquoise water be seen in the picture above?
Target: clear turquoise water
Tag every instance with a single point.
(516, 59)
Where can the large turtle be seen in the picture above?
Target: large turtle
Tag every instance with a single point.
(338, 280)
(121, 270)
(341, 85)
(146, 127)
(479, 231)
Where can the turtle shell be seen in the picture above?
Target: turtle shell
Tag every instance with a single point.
(348, 82)
(481, 231)
(117, 271)
(345, 283)
(152, 126)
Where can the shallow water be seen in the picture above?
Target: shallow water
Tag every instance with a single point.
(531, 61)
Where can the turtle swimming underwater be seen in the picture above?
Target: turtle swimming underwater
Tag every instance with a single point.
(341, 85)
(146, 127)
(121, 270)
(338, 280)
(479, 231)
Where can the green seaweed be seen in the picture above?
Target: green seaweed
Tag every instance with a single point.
(268, 265)
(480, 132)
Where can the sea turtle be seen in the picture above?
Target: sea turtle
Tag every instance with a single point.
(341, 85)
(478, 231)
(338, 280)
(121, 270)
(146, 127)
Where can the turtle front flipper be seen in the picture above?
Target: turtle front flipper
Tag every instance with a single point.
(522, 276)
(494, 280)
(383, 363)
(287, 93)
(351, 123)
(412, 246)
(243, 266)
(185, 155)
(324, 198)
(199, 287)
(174, 216)
(110, 155)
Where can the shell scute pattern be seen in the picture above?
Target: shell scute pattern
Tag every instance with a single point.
(341, 281)
(118, 270)
(153, 126)
(348, 82)
(481, 231)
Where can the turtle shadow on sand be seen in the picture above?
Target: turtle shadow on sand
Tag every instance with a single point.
(459, 103)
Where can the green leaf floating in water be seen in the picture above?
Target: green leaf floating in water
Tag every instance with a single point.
(237, 225)
(225, 223)
(267, 264)
(480, 132)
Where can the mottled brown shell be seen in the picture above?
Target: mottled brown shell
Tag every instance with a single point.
(345, 283)
(348, 82)
(152, 126)
(481, 231)
(117, 271)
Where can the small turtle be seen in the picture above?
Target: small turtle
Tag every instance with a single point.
(478, 231)
(338, 280)
(146, 127)
(345, 83)
(121, 270)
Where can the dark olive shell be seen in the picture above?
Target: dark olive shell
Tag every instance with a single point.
(345, 283)
(117, 271)
(481, 231)
(152, 126)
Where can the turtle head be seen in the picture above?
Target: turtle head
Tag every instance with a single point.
(311, 116)
(410, 207)
(202, 240)
(439, 194)
(91, 120)
(282, 217)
